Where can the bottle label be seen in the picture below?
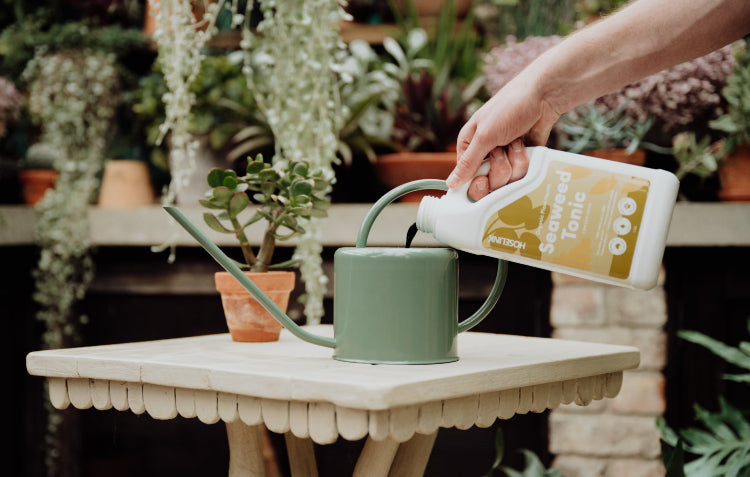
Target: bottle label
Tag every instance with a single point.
(582, 218)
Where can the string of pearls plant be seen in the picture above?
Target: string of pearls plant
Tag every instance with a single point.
(294, 63)
(74, 95)
(181, 37)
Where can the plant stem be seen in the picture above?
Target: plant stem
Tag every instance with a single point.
(247, 250)
(266, 249)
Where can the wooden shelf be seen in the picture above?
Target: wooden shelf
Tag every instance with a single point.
(694, 224)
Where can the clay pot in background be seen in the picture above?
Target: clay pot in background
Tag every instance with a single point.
(637, 157)
(126, 183)
(734, 176)
(401, 167)
(36, 182)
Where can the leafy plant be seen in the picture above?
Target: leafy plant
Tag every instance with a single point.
(723, 446)
(533, 465)
(591, 127)
(736, 121)
(694, 157)
(224, 109)
(284, 196)
(529, 17)
(368, 123)
(43, 29)
(440, 75)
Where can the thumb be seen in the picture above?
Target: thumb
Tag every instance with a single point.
(468, 161)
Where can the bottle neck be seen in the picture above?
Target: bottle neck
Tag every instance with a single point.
(427, 214)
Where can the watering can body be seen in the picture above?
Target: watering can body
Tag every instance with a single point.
(404, 312)
(391, 305)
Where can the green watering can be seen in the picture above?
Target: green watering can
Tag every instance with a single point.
(391, 305)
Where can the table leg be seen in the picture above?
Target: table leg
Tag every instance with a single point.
(413, 455)
(376, 458)
(301, 456)
(245, 450)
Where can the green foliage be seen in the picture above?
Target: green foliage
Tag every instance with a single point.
(590, 127)
(591, 10)
(722, 446)
(694, 157)
(739, 356)
(532, 17)
(19, 41)
(440, 75)
(736, 121)
(224, 109)
(533, 465)
(283, 197)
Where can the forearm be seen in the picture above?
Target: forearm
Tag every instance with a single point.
(641, 39)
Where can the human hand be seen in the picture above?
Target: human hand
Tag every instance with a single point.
(497, 130)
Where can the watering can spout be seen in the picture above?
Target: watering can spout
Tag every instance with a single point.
(246, 283)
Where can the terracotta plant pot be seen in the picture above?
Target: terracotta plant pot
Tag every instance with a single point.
(36, 182)
(734, 176)
(401, 167)
(247, 320)
(638, 157)
(126, 184)
(431, 8)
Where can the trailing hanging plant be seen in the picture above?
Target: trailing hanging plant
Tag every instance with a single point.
(180, 37)
(295, 64)
(74, 96)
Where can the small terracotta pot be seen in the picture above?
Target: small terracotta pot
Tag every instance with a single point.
(247, 320)
(734, 176)
(36, 182)
(401, 167)
(431, 8)
(638, 157)
(126, 183)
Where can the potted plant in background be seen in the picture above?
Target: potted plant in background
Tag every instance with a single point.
(11, 103)
(440, 79)
(224, 121)
(734, 173)
(695, 157)
(612, 135)
(284, 196)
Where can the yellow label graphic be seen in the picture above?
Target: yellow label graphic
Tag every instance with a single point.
(578, 217)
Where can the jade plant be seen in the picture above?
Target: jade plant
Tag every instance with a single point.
(283, 197)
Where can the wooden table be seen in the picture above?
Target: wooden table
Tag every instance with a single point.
(296, 388)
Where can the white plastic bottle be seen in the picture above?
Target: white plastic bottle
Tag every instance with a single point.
(592, 218)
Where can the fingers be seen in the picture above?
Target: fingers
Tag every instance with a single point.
(518, 159)
(478, 188)
(471, 149)
(506, 165)
(500, 168)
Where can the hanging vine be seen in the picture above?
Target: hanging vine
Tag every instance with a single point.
(293, 61)
(182, 32)
(74, 95)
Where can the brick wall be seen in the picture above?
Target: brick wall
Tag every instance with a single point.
(612, 437)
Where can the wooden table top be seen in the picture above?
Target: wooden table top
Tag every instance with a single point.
(290, 381)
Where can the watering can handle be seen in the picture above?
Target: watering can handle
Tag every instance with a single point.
(248, 284)
(435, 184)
